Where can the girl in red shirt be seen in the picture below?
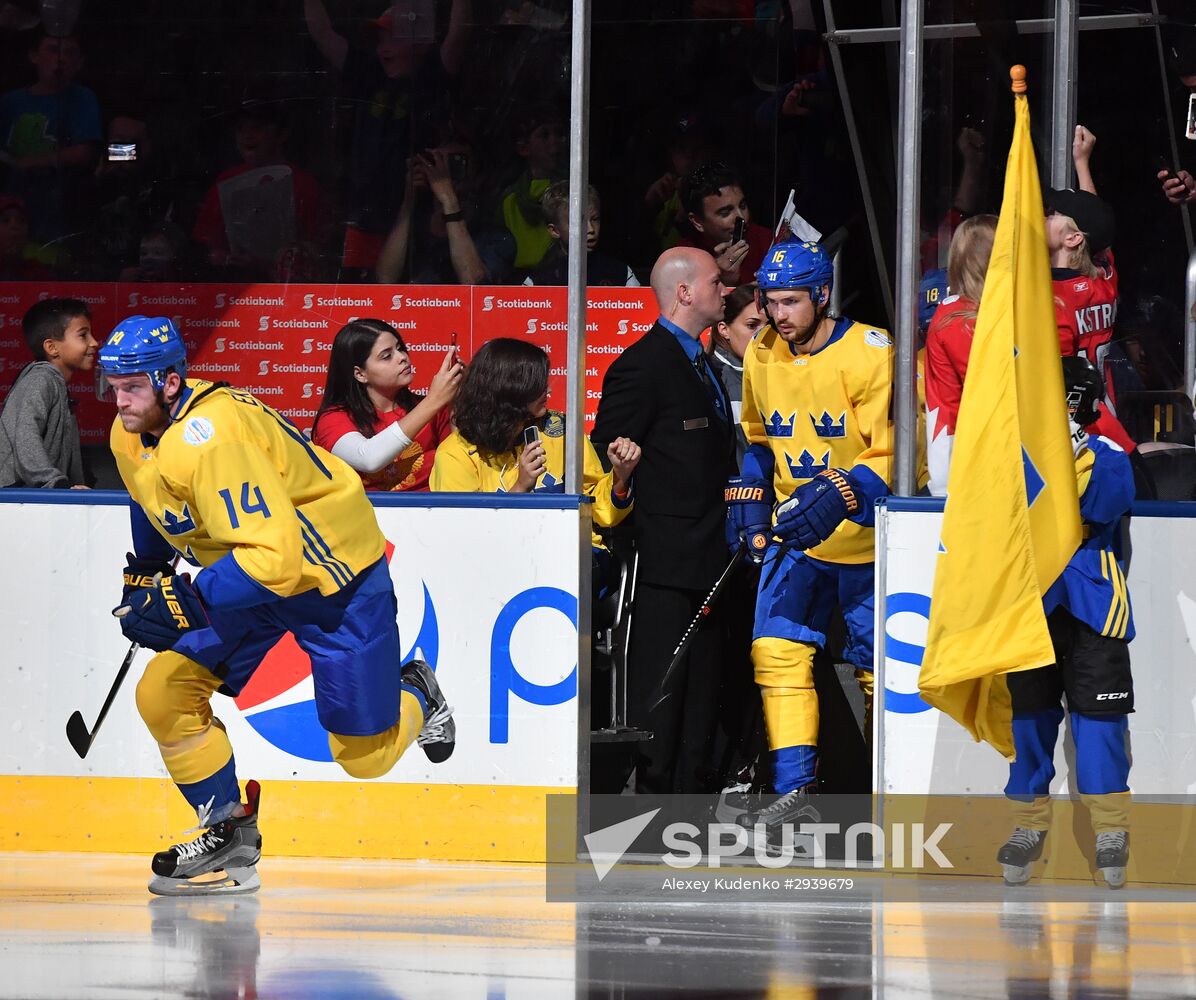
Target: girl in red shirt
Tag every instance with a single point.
(370, 418)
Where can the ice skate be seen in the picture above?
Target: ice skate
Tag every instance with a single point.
(220, 861)
(1018, 854)
(1112, 856)
(767, 825)
(735, 802)
(438, 737)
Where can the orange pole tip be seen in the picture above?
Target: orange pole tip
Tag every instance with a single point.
(1017, 74)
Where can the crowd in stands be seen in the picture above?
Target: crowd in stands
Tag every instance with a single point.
(422, 142)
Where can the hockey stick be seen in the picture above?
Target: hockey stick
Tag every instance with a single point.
(687, 637)
(77, 732)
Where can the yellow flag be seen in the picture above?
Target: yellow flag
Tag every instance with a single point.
(1012, 519)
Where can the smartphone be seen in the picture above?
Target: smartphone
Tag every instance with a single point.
(530, 435)
(740, 228)
(453, 344)
(119, 152)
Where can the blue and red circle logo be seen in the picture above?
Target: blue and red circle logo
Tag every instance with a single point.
(279, 699)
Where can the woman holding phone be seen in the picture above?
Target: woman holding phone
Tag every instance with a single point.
(370, 418)
(508, 441)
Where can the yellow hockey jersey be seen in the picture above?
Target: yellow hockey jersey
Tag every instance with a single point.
(829, 409)
(232, 475)
(460, 468)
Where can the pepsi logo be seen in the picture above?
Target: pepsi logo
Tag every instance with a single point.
(279, 700)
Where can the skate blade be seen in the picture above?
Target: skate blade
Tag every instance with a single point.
(804, 848)
(219, 883)
(1114, 878)
(1017, 875)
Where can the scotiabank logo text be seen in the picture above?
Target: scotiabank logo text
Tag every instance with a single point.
(266, 367)
(141, 299)
(312, 301)
(223, 343)
(399, 301)
(265, 323)
(310, 345)
(223, 299)
(538, 325)
(492, 302)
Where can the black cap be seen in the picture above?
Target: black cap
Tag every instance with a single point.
(1093, 217)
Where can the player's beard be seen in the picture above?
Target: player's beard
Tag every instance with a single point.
(807, 335)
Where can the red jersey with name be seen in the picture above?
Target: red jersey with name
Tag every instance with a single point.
(1085, 312)
(948, 344)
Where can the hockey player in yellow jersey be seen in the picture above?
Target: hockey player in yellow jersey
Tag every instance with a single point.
(287, 542)
(816, 392)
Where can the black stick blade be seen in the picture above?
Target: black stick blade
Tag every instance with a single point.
(78, 735)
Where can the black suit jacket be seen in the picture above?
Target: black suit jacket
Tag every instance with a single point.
(652, 394)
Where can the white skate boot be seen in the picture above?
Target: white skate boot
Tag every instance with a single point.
(222, 860)
(1112, 856)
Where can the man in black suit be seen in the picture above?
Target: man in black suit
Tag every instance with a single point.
(661, 393)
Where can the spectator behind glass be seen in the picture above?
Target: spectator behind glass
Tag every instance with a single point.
(688, 145)
(370, 418)
(505, 394)
(729, 339)
(443, 243)
(540, 143)
(160, 255)
(39, 436)
(554, 269)
(400, 91)
(949, 341)
(713, 199)
(242, 224)
(1179, 186)
(135, 190)
(18, 257)
(50, 131)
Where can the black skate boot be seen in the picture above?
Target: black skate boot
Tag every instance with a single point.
(1018, 854)
(222, 860)
(1112, 856)
(438, 737)
(767, 826)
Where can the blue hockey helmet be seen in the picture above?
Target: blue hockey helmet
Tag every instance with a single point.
(795, 265)
(144, 345)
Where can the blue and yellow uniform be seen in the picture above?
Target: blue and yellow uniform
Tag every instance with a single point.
(287, 542)
(803, 414)
(1091, 623)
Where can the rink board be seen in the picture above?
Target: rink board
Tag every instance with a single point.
(487, 592)
(925, 762)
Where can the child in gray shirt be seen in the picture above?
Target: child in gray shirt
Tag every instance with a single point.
(39, 436)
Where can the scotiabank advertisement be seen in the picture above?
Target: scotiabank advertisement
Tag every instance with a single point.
(275, 339)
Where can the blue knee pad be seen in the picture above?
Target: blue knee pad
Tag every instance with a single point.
(1102, 763)
(793, 767)
(1034, 736)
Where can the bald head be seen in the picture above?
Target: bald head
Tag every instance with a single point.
(688, 289)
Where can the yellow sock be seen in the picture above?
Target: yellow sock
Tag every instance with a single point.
(373, 756)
